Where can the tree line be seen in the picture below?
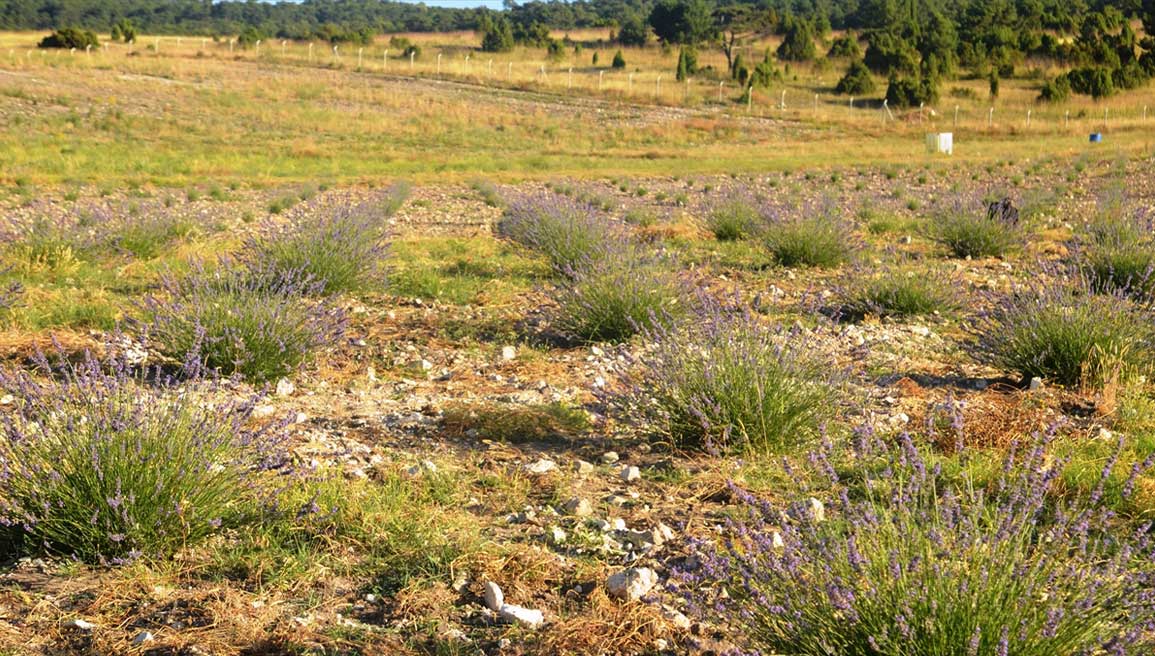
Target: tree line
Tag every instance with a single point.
(915, 45)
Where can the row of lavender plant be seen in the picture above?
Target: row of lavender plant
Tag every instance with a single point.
(263, 314)
(609, 287)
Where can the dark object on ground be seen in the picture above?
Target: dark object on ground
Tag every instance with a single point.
(1004, 211)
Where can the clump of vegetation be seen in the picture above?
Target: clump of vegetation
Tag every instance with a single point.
(488, 192)
(895, 293)
(966, 232)
(261, 327)
(616, 297)
(730, 382)
(147, 235)
(856, 82)
(905, 562)
(515, 425)
(808, 237)
(102, 468)
(733, 219)
(342, 251)
(569, 233)
(1065, 334)
(70, 37)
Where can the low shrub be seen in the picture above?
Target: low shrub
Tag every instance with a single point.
(808, 237)
(1124, 267)
(733, 219)
(908, 563)
(146, 235)
(569, 233)
(613, 299)
(728, 381)
(343, 249)
(966, 232)
(1064, 333)
(895, 293)
(515, 424)
(232, 322)
(102, 468)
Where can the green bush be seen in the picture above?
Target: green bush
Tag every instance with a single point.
(968, 233)
(733, 220)
(1066, 334)
(106, 468)
(896, 293)
(620, 295)
(728, 381)
(856, 82)
(70, 37)
(808, 239)
(619, 61)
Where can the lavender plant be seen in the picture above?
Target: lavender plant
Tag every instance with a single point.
(569, 233)
(613, 299)
(95, 465)
(895, 293)
(733, 219)
(1064, 333)
(260, 327)
(342, 248)
(908, 563)
(968, 231)
(145, 235)
(1121, 255)
(728, 381)
(811, 236)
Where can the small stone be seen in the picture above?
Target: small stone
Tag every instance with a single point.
(630, 473)
(583, 467)
(1036, 384)
(529, 617)
(643, 539)
(370, 598)
(285, 387)
(610, 457)
(578, 507)
(263, 411)
(540, 467)
(7, 399)
(817, 510)
(493, 596)
(557, 535)
(508, 353)
(776, 540)
(504, 643)
(143, 637)
(597, 352)
(631, 584)
(1104, 434)
(300, 418)
(905, 239)
(921, 331)
(673, 616)
(79, 625)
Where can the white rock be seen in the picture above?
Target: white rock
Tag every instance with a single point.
(263, 411)
(493, 596)
(80, 625)
(817, 510)
(1036, 384)
(583, 467)
(776, 540)
(542, 466)
(285, 387)
(6, 399)
(921, 331)
(557, 535)
(508, 353)
(578, 507)
(596, 351)
(529, 617)
(630, 473)
(673, 616)
(143, 637)
(610, 457)
(631, 584)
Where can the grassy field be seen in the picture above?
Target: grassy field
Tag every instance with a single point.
(178, 114)
(683, 375)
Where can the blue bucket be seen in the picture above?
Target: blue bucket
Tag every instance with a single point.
(1096, 137)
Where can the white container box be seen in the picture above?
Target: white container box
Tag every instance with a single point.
(940, 142)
